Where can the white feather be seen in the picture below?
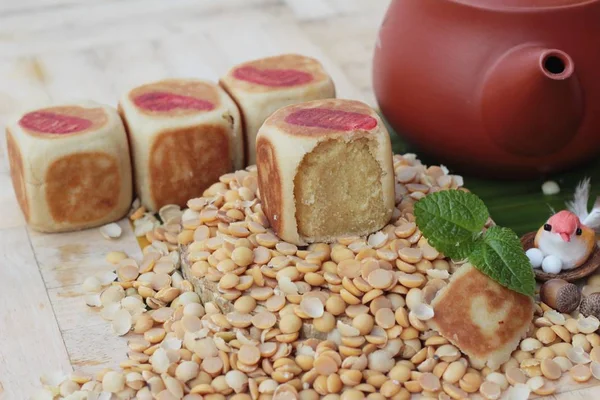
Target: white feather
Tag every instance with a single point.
(579, 205)
(593, 218)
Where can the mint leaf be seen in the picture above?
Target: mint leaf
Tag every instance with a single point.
(452, 221)
(501, 257)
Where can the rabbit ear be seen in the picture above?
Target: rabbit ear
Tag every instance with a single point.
(578, 205)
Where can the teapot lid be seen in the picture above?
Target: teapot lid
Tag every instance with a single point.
(523, 4)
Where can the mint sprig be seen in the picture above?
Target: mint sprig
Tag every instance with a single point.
(453, 222)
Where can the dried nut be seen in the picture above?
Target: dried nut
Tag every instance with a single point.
(490, 390)
(471, 382)
(413, 386)
(595, 354)
(325, 365)
(111, 231)
(364, 323)
(581, 373)
(555, 317)
(448, 353)
(264, 320)
(535, 383)
(521, 355)
(423, 312)
(514, 375)
(560, 295)
(531, 367)
(562, 333)
(546, 335)
(547, 389)
(542, 321)
(325, 323)
(544, 353)
(590, 305)
(368, 298)
(429, 382)
(400, 373)
(380, 278)
(571, 325)
(497, 378)
(518, 392)
(187, 370)
(578, 356)
(561, 349)
(511, 363)
(579, 340)
(313, 307)
(530, 344)
(453, 391)
(389, 389)
(113, 382)
(564, 363)
(455, 371)
(594, 339)
(550, 370)
(595, 369)
(290, 323)
(588, 325)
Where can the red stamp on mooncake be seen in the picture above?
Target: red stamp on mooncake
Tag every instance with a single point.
(164, 102)
(272, 77)
(49, 122)
(331, 119)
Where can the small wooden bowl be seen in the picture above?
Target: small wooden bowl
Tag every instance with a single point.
(571, 275)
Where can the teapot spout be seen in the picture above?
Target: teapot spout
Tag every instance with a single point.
(532, 103)
(556, 64)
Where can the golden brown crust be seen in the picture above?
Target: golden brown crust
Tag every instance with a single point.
(185, 162)
(325, 118)
(17, 174)
(82, 187)
(275, 73)
(269, 182)
(55, 122)
(479, 315)
(175, 97)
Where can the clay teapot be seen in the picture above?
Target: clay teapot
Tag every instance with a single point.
(501, 88)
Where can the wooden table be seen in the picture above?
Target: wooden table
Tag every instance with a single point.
(53, 51)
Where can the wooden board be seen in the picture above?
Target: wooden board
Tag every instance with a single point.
(58, 50)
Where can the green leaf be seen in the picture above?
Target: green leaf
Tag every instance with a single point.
(501, 257)
(452, 221)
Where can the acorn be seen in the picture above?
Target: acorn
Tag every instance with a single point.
(561, 295)
(590, 305)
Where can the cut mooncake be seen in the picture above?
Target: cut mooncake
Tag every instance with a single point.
(260, 87)
(325, 170)
(184, 134)
(485, 320)
(70, 166)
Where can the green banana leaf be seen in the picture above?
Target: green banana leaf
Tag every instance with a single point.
(519, 205)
